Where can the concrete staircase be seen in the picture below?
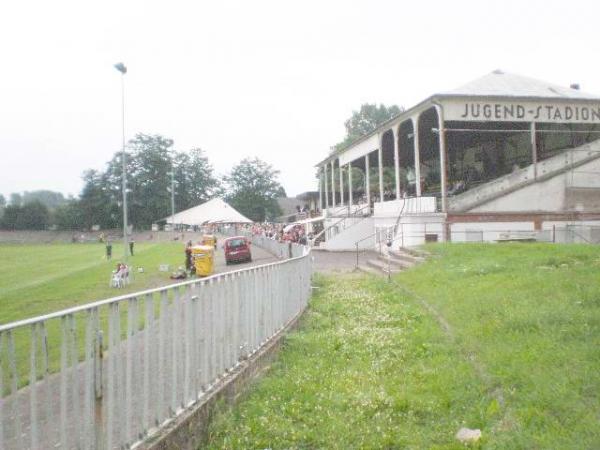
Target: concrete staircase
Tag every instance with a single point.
(393, 261)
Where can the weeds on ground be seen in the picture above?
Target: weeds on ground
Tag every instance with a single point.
(372, 366)
(531, 314)
(368, 369)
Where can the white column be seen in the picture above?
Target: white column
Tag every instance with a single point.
(533, 137)
(380, 153)
(350, 200)
(442, 145)
(326, 186)
(396, 162)
(415, 120)
(367, 180)
(341, 184)
(333, 184)
(320, 190)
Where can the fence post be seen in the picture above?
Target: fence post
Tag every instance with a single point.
(356, 255)
(98, 388)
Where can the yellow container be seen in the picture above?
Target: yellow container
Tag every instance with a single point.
(209, 239)
(204, 257)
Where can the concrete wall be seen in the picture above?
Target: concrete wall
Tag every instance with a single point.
(524, 190)
(575, 189)
(412, 228)
(486, 231)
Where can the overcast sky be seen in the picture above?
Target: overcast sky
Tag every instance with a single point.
(273, 79)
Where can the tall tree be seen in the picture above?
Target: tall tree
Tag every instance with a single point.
(365, 120)
(34, 216)
(68, 216)
(150, 163)
(253, 188)
(31, 216)
(195, 182)
(16, 199)
(150, 160)
(98, 202)
(49, 198)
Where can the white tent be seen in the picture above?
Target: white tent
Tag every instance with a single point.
(213, 211)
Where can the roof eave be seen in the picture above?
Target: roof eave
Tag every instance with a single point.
(406, 114)
(516, 97)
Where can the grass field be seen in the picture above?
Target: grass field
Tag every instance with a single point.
(505, 338)
(38, 279)
(43, 278)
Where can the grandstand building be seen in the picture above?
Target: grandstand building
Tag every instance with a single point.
(504, 157)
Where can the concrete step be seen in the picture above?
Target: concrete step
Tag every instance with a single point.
(382, 266)
(398, 262)
(370, 270)
(415, 252)
(406, 257)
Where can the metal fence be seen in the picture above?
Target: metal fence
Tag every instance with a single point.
(559, 234)
(111, 373)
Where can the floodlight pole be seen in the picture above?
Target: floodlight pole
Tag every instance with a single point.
(173, 196)
(121, 68)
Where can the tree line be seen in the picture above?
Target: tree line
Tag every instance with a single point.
(252, 187)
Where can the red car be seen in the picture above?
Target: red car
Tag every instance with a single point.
(237, 249)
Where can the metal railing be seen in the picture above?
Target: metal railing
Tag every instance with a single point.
(339, 226)
(109, 374)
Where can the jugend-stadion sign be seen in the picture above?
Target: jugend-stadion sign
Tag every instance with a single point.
(522, 112)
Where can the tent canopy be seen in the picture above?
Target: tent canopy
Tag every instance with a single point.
(213, 211)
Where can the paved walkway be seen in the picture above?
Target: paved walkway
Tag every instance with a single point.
(338, 262)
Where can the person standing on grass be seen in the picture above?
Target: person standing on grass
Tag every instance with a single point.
(188, 256)
(131, 242)
(108, 249)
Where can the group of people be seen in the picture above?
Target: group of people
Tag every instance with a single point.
(109, 248)
(279, 232)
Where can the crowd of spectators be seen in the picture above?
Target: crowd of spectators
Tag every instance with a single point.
(295, 233)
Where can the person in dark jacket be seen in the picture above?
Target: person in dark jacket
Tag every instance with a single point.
(188, 256)
(108, 249)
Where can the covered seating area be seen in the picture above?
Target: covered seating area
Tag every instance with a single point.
(455, 141)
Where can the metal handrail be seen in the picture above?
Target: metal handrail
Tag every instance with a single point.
(354, 214)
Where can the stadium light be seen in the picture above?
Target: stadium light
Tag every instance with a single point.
(121, 68)
(172, 173)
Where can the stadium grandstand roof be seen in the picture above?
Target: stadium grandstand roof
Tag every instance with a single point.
(503, 84)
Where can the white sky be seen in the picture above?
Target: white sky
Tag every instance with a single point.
(273, 79)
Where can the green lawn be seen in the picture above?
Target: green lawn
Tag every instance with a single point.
(38, 279)
(505, 338)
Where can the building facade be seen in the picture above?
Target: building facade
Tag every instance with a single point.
(503, 157)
